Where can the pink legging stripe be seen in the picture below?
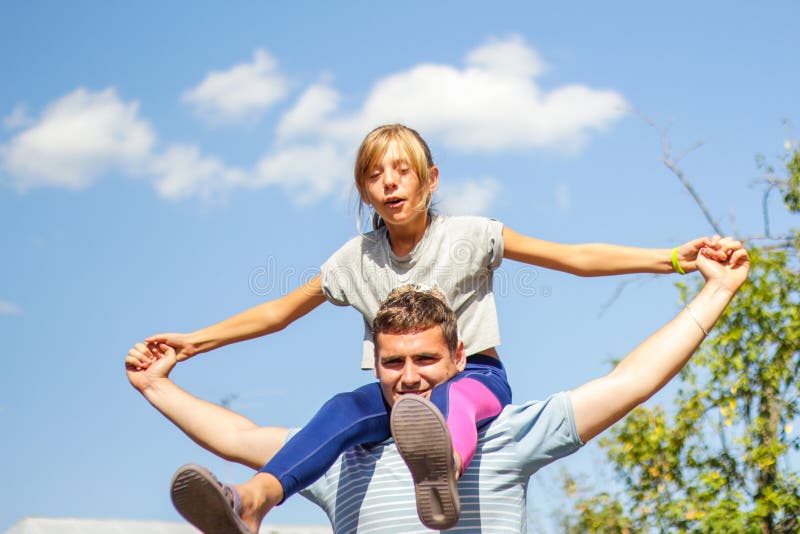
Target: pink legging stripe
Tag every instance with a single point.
(469, 402)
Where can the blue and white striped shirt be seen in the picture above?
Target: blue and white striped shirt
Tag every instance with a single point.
(369, 490)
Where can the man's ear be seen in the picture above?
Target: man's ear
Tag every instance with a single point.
(460, 357)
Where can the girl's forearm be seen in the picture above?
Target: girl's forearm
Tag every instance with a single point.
(261, 320)
(255, 322)
(601, 259)
(589, 259)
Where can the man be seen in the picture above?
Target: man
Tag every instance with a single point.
(369, 489)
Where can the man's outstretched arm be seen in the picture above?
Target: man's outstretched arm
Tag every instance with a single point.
(216, 429)
(602, 402)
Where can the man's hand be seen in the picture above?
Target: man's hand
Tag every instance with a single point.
(184, 347)
(145, 365)
(730, 273)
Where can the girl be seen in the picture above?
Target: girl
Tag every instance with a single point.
(395, 177)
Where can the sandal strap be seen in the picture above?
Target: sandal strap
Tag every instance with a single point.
(233, 498)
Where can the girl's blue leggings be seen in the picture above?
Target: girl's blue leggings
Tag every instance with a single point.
(468, 401)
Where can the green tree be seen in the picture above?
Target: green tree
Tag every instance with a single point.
(720, 461)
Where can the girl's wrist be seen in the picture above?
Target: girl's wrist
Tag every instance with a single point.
(676, 265)
(197, 342)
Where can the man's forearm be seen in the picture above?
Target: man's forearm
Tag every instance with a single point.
(216, 429)
(649, 366)
(663, 355)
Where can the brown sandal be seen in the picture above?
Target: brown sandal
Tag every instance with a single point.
(424, 442)
(205, 502)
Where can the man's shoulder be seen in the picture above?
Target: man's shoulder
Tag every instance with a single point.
(533, 433)
(515, 417)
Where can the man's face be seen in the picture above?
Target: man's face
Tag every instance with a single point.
(415, 363)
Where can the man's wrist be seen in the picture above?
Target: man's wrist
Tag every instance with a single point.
(155, 387)
(716, 289)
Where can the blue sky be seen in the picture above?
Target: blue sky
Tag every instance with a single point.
(163, 166)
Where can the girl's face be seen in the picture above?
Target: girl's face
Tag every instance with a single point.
(393, 188)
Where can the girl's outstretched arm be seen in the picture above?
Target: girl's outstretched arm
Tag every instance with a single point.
(258, 321)
(600, 259)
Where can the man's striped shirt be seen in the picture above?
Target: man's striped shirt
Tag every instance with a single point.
(369, 489)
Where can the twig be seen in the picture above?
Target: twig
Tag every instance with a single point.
(677, 171)
(672, 164)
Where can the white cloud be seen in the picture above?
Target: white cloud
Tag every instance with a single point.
(492, 104)
(244, 91)
(182, 172)
(76, 138)
(563, 197)
(508, 57)
(470, 197)
(317, 101)
(306, 173)
(9, 308)
(18, 118)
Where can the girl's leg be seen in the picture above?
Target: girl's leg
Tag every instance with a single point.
(348, 419)
(470, 400)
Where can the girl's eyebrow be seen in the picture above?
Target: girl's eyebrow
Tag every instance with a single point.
(399, 161)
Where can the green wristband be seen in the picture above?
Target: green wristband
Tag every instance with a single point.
(675, 264)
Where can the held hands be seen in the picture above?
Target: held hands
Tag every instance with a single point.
(146, 364)
(184, 347)
(730, 272)
(716, 247)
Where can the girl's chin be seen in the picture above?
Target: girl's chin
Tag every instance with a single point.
(401, 218)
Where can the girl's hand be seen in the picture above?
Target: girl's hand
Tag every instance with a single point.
(728, 245)
(184, 347)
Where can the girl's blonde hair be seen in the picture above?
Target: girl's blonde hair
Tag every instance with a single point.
(413, 147)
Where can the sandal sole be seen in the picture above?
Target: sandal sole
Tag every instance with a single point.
(202, 501)
(424, 443)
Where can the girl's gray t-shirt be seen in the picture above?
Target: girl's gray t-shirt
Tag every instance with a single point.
(457, 255)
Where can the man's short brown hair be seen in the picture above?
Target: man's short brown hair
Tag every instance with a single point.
(412, 308)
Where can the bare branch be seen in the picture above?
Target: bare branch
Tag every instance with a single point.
(772, 183)
(778, 242)
(621, 287)
(677, 171)
(765, 208)
(732, 219)
(672, 164)
(694, 146)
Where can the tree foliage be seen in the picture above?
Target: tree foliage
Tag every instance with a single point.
(720, 459)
